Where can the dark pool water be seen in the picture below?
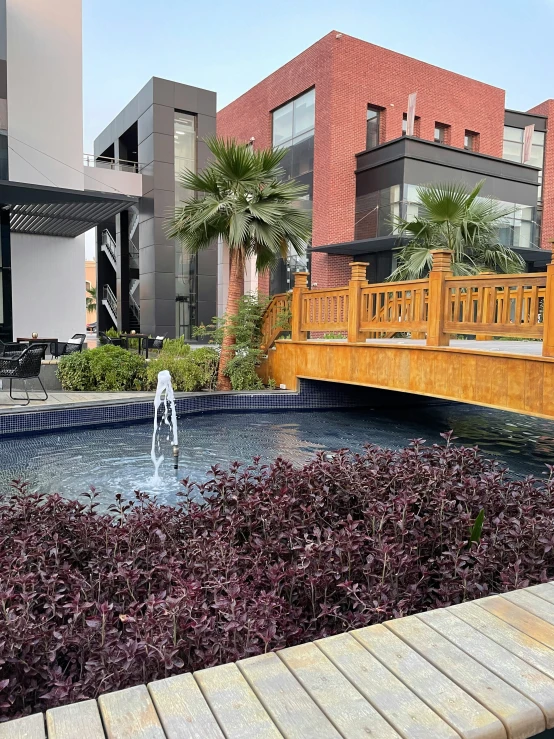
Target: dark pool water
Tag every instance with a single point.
(117, 459)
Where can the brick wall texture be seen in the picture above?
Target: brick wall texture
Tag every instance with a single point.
(348, 75)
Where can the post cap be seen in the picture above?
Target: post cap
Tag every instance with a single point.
(301, 279)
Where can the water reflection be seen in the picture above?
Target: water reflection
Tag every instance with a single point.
(117, 459)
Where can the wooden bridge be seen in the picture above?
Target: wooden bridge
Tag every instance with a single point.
(444, 336)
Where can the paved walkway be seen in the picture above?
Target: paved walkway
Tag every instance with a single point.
(480, 670)
(61, 398)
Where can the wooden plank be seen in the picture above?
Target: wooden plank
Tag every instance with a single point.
(537, 686)
(75, 720)
(30, 727)
(182, 710)
(524, 646)
(407, 713)
(532, 603)
(339, 700)
(521, 717)
(291, 708)
(234, 704)
(130, 714)
(519, 618)
(450, 702)
(544, 591)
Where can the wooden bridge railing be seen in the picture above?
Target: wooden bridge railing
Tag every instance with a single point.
(485, 305)
(276, 319)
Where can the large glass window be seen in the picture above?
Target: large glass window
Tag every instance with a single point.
(293, 130)
(373, 126)
(375, 214)
(185, 264)
(513, 149)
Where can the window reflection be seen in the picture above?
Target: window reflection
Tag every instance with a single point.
(293, 129)
(376, 212)
(185, 263)
(513, 149)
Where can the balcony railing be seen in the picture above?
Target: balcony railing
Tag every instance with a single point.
(120, 165)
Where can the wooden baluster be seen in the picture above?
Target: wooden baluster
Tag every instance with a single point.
(442, 268)
(300, 286)
(488, 292)
(357, 282)
(548, 333)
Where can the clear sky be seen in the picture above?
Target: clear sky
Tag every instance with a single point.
(228, 46)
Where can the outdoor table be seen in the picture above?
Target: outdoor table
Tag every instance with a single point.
(40, 340)
(141, 343)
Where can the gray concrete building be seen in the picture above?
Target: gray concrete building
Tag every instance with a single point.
(145, 280)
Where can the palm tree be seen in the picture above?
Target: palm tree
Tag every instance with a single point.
(245, 201)
(452, 216)
(91, 299)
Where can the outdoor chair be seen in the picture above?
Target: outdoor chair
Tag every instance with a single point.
(75, 344)
(25, 366)
(157, 343)
(11, 348)
(105, 339)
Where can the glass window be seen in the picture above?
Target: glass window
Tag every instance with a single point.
(282, 124)
(441, 133)
(513, 134)
(185, 264)
(293, 130)
(373, 126)
(304, 113)
(471, 141)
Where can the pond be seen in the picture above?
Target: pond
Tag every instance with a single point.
(116, 459)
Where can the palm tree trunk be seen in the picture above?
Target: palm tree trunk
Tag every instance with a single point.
(236, 290)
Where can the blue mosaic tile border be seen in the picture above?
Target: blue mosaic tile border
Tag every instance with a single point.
(312, 395)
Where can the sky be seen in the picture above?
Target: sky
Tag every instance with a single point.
(229, 46)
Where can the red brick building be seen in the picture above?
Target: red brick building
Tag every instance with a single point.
(341, 108)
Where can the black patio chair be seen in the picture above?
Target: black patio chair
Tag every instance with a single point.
(156, 343)
(75, 344)
(105, 339)
(25, 366)
(11, 348)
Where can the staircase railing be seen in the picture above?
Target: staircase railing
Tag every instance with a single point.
(109, 247)
(276, 319)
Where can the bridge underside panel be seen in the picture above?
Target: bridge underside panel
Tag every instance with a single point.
(518, 383)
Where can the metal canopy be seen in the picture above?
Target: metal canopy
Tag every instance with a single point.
(363, 246)
(540, 257)
(56, 211)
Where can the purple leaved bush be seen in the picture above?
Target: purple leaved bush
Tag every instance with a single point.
(92, 602)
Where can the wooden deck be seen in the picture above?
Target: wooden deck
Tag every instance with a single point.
(480, 670)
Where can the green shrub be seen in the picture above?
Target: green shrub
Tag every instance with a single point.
(241, 370)
(176, 347)
(207, 358)
(186, 375)
(106, 368)
(74, 371)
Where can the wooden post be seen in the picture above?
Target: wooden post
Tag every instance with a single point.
(300, 285)
(485, 310)
(442, 268)
(357, 281)
(548, 311)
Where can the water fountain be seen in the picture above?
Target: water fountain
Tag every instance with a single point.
(165, 395)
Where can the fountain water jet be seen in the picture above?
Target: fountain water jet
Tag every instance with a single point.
(164, 393)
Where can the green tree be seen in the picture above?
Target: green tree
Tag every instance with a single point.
(453, 216)
(243, 199)
(91, 299)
